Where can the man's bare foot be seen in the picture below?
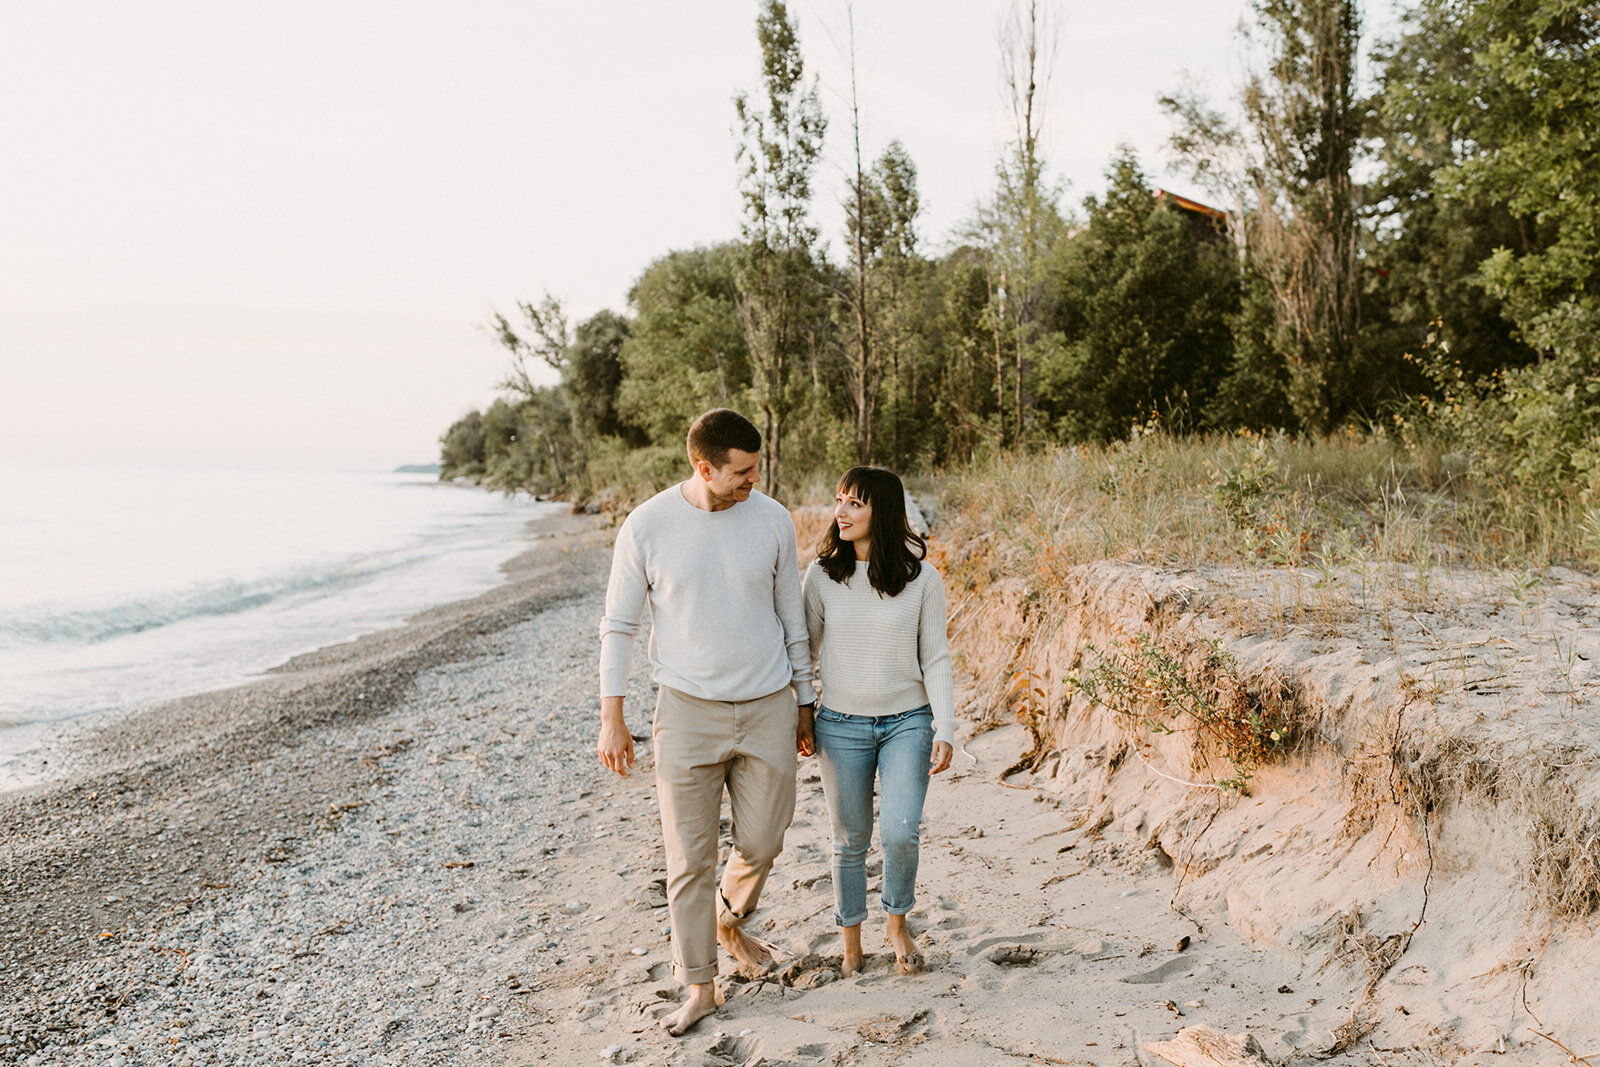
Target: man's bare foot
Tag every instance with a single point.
(702, 1001)
(751, 952)
(853, 956)
(907, 958)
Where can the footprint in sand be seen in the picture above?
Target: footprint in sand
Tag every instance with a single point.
(811, 971)
(1015, 955)
(726, 1049)
(909, 1029)
(1165, 973)
(1004, 939)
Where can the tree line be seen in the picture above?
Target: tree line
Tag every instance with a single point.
(1423, 250)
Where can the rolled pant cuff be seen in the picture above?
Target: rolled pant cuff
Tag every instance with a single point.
(898, 911)
(694, 975)
(726, 916)
(857, 921)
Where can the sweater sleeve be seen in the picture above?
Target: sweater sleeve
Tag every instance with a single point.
(625, 601)
(811, 592)
(933, 654)
(792, 614)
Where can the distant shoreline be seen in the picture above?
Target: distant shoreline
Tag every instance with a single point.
(43, 751)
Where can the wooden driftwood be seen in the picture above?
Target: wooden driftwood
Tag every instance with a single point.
(1201, 1046)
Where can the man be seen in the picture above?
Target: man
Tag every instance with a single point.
(715, 562)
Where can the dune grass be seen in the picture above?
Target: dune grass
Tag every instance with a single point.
(1345, 500)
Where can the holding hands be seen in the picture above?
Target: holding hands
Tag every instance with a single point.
(805, 735)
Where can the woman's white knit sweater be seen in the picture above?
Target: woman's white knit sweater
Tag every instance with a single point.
(881, 655)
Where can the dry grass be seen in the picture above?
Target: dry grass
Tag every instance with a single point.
(1350, 535)
(1347, 501)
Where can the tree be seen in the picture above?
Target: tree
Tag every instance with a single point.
(461, 448)
(1023, 222)
(1524, 139)
(1290, 171)
(1433, 237)
(544, 338)
(863, 223)
(781, 140)
(896, 266)
(1146, 295)
(593, 377)
(1304, 113)
(686, 351)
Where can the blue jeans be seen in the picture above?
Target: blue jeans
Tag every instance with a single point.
(852, 750)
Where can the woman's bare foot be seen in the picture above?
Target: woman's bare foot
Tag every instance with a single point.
(750, 952)
(853, 956)
(907, 958)
(702, 1001)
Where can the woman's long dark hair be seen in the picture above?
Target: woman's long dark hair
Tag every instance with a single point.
(897, 549)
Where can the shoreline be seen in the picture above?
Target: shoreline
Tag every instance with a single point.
(51, 742)
(82, 864)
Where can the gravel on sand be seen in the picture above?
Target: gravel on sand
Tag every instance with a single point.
(314, 867)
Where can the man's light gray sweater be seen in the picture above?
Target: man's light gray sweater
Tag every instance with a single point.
(723, 588)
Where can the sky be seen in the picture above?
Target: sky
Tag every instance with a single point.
(269, 235)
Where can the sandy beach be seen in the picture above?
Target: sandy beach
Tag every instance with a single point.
(403, 851)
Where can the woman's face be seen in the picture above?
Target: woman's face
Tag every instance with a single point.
(853, 515)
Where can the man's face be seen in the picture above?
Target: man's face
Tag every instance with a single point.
(731, 482)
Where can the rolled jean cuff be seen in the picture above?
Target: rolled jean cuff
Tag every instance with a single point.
(694, 975)
(857, 921)
(899, 911)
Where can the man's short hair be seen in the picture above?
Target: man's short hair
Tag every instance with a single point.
(717, 432)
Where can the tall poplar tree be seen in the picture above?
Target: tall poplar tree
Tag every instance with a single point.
(1023, 222)
(1289, 170)
(781, 141)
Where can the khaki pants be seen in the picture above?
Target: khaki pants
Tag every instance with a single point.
(702, 746)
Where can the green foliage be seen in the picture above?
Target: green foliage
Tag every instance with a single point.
(530, 445)
(1254, 391)
(1143, 312)
(593, 378)
(1286, 170)
(461, 448)
(780, 303)
(1245, 485)
(1430, 241)
(1484, 218)
(1536, 66)
(1147, 686)
(1518, 87)
(686, 352)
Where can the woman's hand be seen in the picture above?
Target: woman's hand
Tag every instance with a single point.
(942, 751)
(805, 734)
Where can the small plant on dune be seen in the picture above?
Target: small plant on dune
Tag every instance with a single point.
(1145, 685)
(1244, 487)
(1026, 697)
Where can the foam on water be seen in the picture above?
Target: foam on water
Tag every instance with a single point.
(123, 587)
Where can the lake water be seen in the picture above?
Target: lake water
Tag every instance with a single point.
(121, 587)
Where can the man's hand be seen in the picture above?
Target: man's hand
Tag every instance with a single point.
(615, 746)
(942, 751)
(805, 734)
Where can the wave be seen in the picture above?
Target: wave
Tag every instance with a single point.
(45, 624)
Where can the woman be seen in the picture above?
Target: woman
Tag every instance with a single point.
(876, 613)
